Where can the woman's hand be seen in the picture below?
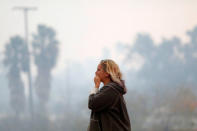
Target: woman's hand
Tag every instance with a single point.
(97, 81)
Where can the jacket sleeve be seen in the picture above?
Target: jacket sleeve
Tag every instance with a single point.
(102, 99)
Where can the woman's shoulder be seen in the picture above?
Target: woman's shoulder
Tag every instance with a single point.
(112, 86)
(117, 87)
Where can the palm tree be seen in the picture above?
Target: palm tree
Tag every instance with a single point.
(45, 52)
(16, 60)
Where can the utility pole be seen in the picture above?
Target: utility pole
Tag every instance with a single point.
(25, 10)
(68, 95)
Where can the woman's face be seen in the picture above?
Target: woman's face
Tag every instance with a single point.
(101, 73)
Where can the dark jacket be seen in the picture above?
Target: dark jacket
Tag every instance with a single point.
(109, 112)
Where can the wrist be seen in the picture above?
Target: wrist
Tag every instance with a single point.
(96, 86)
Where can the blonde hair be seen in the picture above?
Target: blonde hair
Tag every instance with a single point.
(113, 70)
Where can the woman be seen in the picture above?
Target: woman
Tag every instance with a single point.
(108, 108)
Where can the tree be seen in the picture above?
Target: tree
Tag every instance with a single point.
(45, 51)
(16, 60)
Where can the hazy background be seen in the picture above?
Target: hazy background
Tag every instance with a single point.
(154, 42)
